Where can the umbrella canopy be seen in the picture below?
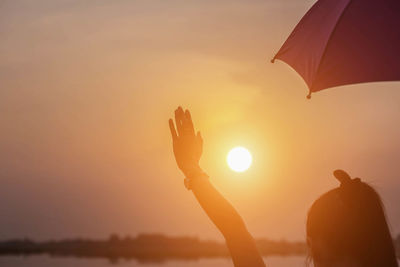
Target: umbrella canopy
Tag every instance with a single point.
(341, 42)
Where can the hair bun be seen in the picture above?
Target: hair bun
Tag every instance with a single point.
(342, 176)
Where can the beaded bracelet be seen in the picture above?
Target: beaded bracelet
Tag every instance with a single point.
(197, 175)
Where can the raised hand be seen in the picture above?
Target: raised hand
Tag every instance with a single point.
(187, 145)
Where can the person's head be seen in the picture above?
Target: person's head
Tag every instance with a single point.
(347, 227)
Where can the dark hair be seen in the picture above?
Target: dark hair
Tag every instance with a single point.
(349, 224)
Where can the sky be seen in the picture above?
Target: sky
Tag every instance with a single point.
(86, 91)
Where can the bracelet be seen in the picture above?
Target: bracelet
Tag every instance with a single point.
(194, 176)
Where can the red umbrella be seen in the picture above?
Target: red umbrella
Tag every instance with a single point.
(341, 42)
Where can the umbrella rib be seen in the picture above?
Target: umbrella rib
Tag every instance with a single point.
(324, 52)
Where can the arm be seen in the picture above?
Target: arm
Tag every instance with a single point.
(188, 149)
(239, 241)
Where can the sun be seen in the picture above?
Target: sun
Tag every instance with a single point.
(239, 159)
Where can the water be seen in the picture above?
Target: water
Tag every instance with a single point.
(46, 261)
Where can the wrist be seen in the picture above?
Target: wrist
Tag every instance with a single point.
(192, 171)
(194, 176)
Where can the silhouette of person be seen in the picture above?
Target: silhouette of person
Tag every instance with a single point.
(346, 227)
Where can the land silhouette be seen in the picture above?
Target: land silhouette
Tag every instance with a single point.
(146, 248)
(143, 247)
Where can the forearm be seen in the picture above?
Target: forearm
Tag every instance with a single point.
(239, 241)
(218, 209)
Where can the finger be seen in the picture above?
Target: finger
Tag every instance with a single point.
(200, 138)
(178, 120)
(200, 143)
(182, 119)
(188, 123)
(342, 176)
(172, 129)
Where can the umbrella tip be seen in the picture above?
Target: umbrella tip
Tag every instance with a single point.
(273, 60)
(309, 95)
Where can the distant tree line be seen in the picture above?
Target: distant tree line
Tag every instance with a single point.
(146, 247)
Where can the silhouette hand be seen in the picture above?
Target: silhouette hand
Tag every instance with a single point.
(187, 146)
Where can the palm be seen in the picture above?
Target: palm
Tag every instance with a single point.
(187, 145)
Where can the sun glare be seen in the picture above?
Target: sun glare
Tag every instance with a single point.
(239, 159)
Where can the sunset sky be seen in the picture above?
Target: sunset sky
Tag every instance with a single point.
(86, 91)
